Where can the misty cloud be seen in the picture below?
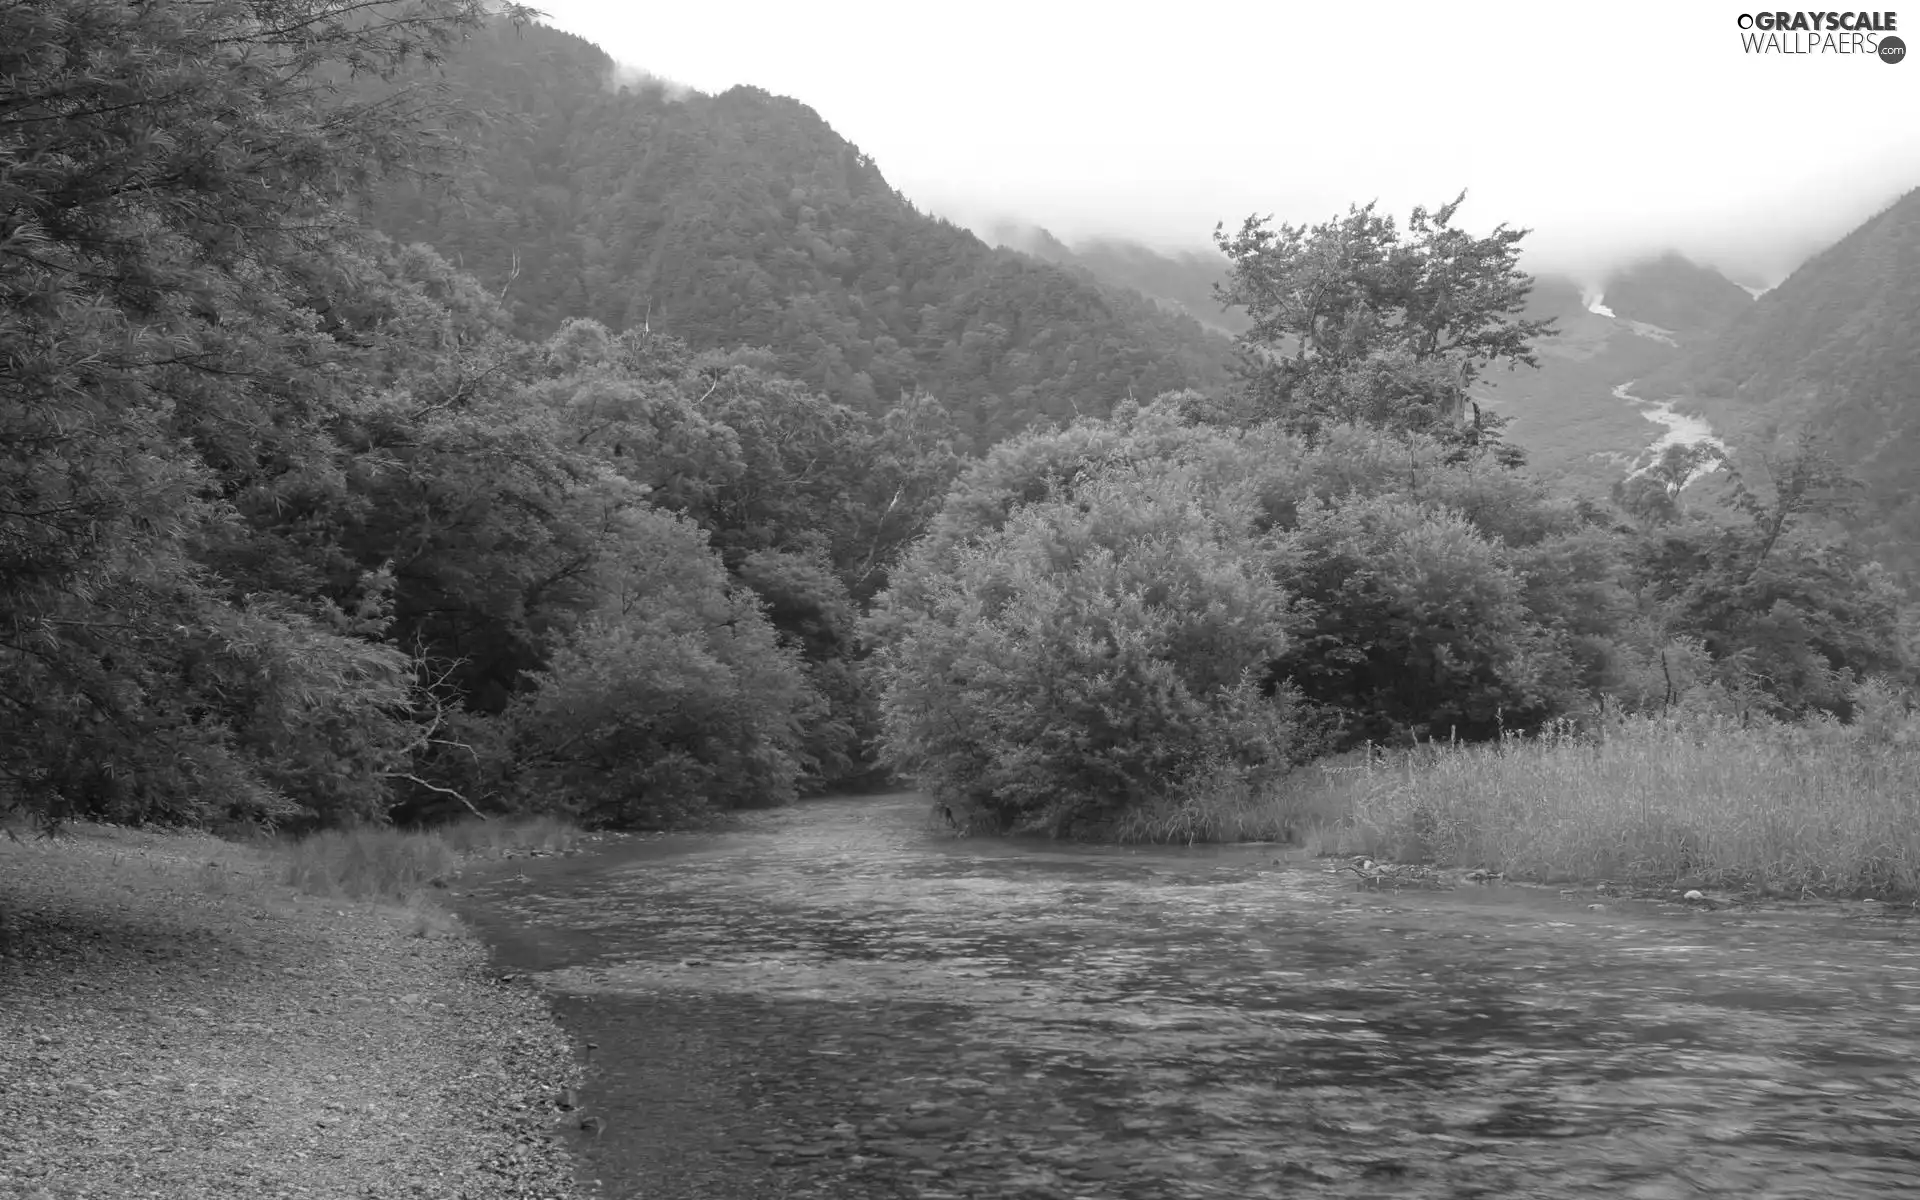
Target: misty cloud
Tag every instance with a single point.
(639, 79)
(1614, 132)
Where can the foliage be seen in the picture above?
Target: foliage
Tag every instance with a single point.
(1415, 622)
(674, 698)
(1789, 619)
(811, 610)
(167, 176)
(1088, 656)
(281, 526)
(1352, 324)
(807, 501)
(1423, 593)
(295, 528)
(744, 219)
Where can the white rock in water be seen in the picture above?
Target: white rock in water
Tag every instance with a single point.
(1693, 896)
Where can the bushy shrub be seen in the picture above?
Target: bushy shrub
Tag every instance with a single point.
(1090, 655)
(674, 699)
(1412, 619)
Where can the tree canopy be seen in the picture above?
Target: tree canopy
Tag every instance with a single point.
(725, 476)
(1354, 322)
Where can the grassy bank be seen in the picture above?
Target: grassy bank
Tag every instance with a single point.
(1813, 809)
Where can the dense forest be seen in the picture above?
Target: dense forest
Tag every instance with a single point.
(638, 456)
(1185, 281)
(744, 219)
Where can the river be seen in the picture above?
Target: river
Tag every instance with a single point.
(1683, 429)
(840, 1000)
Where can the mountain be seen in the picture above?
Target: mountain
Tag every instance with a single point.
(1182, 281)
(1834, 351)
(743, 218)
(1569, 414)
(1555, 296)
(1578, 414)
(1566, 414)
(1675, 294)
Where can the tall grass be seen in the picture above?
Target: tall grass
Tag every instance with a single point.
(1224, 806)
(1811, 809)
(1795, 810)
(395, 864)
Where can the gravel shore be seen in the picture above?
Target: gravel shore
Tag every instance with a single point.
(175, 1023)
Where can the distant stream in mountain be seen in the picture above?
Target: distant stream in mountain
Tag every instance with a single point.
(1683, 429)
(840, 999)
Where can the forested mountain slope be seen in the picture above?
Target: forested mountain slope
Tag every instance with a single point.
(1675, 293)
(743, 218)
(1183, 280)
(1834, 352)
(1569, 414)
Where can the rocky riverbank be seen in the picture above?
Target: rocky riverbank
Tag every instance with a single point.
(176, 1023)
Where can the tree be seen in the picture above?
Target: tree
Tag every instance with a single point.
(1092, 654)
(1653, 495)
(1411, 620)
(1352, 323)
(1787, 614)
(673, 699)
(171, 178)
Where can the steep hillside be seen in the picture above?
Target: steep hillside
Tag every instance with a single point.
(744, 218)
(1183, 281)
(1555, 296)
(1593, 412)
(1835, 349)
(1567, 414)
(1676, 294)
(1186, 280)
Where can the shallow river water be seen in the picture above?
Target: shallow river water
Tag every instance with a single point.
(843, 1001)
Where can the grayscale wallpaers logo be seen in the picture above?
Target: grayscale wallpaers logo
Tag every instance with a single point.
(1866, 34)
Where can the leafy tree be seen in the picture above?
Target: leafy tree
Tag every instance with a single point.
(1424, 593)
(1412, 621)
(673, 699)
(808, 604)
(493, 530)
(1352, 323)
(1788, 615)
(1654, 495)
(906, 464)
(169, 183)
(805, 499)
(1090, 655)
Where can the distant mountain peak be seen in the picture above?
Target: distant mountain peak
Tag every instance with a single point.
(1181, 281)
(1673, 292)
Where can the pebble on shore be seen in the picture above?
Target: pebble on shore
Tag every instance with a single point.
(179, 1024)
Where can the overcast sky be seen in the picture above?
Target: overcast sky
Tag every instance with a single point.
(1610, 129)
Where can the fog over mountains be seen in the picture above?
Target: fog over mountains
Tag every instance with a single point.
(1154, 130)
(748, 217)
(1754, 242)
